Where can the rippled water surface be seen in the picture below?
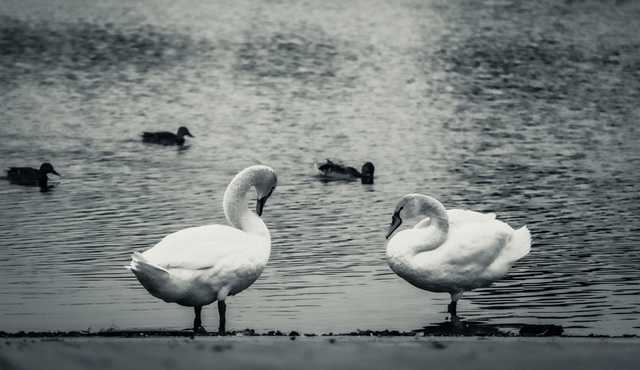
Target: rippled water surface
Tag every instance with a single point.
(526, 109)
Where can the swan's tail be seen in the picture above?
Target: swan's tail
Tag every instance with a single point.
(520, 243)
(140, 263)
(153, 278)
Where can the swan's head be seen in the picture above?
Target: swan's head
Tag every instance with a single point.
(235, 200)
(367, 173)
(414, 205)
(183, 131)
(46, 168)
(265, 182)
(265, 185)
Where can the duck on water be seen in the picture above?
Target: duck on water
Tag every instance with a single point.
(335, 171)
(166, 137)
(29, 176)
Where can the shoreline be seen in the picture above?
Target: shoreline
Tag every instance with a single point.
(540, 331)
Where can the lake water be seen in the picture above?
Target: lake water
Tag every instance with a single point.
(526, 109)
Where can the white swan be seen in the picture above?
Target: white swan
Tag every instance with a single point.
(452, 251)
(200, 265)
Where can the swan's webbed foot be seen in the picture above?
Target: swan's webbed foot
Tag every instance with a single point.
(222, 312)
(200, 330)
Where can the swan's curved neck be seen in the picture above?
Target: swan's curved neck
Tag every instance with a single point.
(236, 204)
(429, 233)
(435, 221)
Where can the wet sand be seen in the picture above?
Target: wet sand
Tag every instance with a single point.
(284, 352)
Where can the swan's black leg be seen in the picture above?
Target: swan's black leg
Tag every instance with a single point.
(452, 308)
(197, 321)
(222, 312)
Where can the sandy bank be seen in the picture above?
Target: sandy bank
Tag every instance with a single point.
(318, 353)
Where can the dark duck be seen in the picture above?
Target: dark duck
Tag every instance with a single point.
(166, 137)
(32, 177)
(332, 170)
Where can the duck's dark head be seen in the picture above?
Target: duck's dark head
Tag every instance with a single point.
(183, 131)
(46, 168)
(367, 173)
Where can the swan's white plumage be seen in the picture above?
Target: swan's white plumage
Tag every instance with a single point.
(467, 251)
(204, 246)
(465, 215)
(199, 265)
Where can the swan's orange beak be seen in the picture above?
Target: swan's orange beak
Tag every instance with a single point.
(396, 221)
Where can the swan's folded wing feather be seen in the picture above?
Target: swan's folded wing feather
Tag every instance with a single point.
(201, 247)
(464, 215)
(476, 245)
(518, 246)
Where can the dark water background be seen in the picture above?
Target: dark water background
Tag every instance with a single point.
(526, 109)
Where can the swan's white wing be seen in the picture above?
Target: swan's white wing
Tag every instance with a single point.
(464, 215)
(463, 261)
(476, 245)
(202, 247)
(518, 246)
(485, 250)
